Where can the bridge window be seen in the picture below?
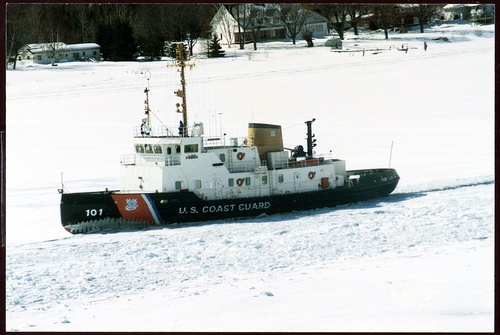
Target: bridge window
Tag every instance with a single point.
(157, 149)
(139, 148)
(190, 148)
(149, 148)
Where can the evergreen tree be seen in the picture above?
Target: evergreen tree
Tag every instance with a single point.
(214, 48)
(117, 42)
(172, 50)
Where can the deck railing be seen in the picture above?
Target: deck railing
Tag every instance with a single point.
(159, 131)
(159, 160)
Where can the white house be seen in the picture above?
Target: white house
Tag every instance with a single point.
(479, 13)
(46, 53)
(266, 17)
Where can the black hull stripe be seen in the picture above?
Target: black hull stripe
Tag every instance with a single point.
(80, 209)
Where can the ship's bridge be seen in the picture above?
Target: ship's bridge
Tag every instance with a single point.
(161, 147)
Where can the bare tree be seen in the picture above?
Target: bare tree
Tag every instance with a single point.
(423, 12)
(148, 31)
(190, 22)
(251, 18)
(237, 12)
(385, 17)
(119, 12)
(19, 32)
(35, 23)
(293, 16)
(356, 12)
(336, 16)
(85, 17)
(55, 50)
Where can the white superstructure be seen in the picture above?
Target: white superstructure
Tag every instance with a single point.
(214, 170)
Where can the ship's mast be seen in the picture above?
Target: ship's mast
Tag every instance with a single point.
(311, 141)
(180, 61)
(146, 103)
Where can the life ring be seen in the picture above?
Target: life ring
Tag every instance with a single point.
(240, 155)
(240, 181)
(311, 174)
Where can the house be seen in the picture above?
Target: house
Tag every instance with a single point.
(403, 18)
(478, 13)
(265, 17)
(57, 52)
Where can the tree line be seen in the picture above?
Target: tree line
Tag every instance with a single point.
(125, 31)
(122, 30)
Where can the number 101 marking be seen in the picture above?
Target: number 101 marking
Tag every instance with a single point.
(94, 212)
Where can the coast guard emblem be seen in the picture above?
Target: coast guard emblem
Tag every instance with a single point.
(131, 204)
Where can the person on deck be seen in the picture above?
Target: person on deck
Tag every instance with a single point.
(181, 128)
(145, 129)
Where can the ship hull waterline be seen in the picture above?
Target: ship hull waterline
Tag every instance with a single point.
(114, 211)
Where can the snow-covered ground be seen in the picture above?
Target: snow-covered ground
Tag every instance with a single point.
(419, 260)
